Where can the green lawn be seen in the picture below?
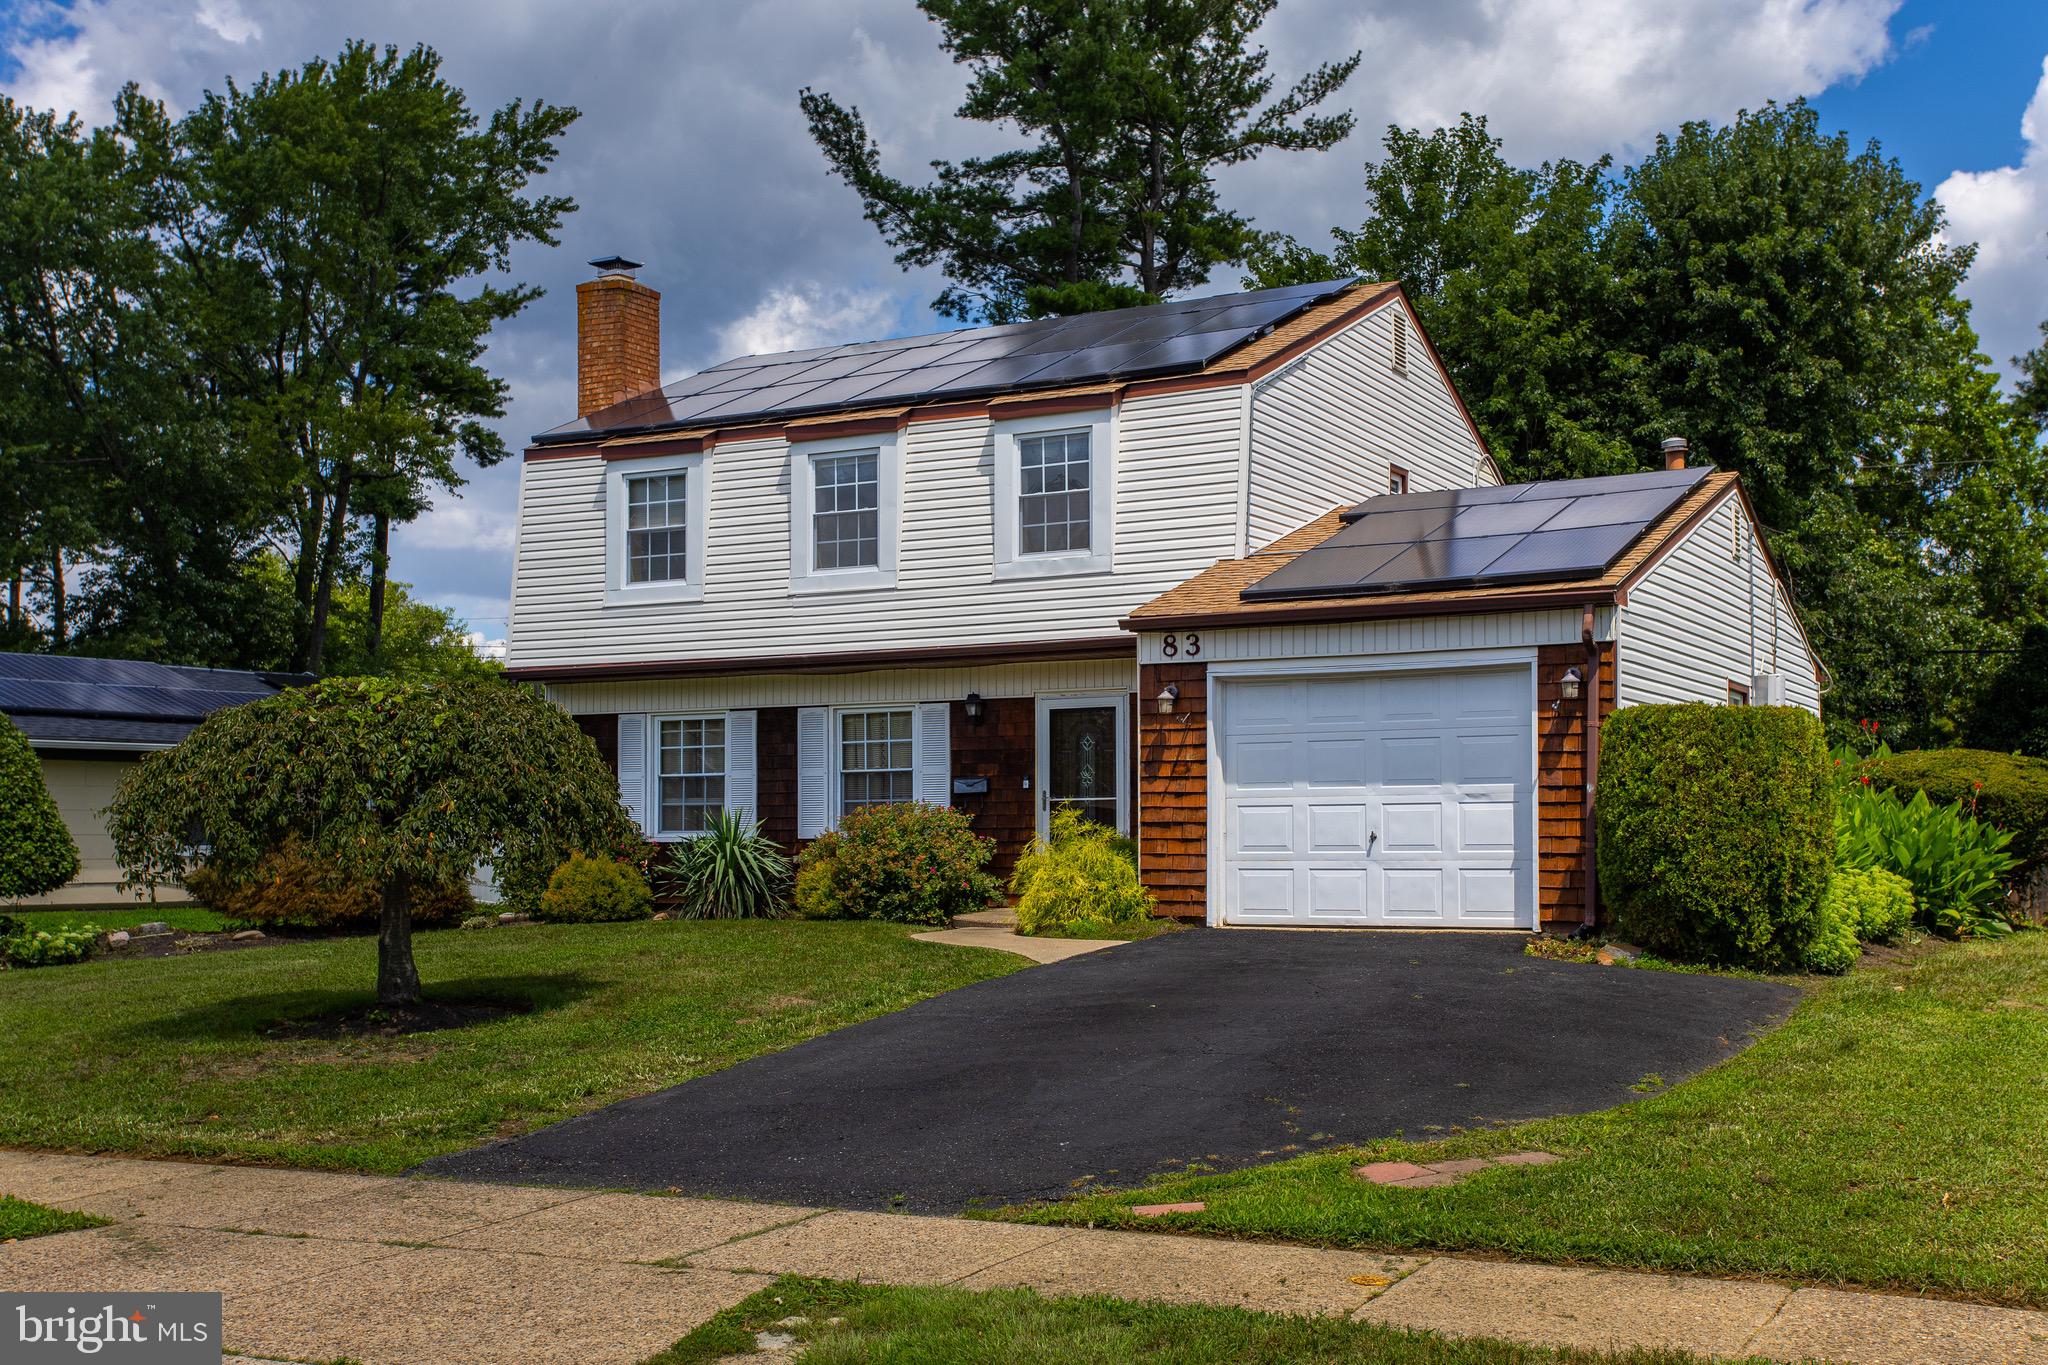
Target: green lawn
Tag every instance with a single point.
(196, 918)
(1891, 1134)
(179, 1056)
(957, 1327)
(19, 1219)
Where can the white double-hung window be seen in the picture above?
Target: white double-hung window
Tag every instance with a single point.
(654, 529)
(877, 759)
(843, 514)
(689, 773)
(1053, 487)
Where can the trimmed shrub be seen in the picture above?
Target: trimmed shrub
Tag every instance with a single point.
(1878, 903)
(594, 890)
(1086, 873)
(2006, 790)
(36, 852)
(730, 871)
(1834, 947)
(291, 888)
(67, 943)
(908, 862)
(1716, 831)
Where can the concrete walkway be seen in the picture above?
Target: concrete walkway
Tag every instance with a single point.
(998, 929)
(392, 1271)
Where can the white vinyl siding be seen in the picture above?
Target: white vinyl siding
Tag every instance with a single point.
(1175, 472)
(1417, 636)
(1326, 429)
(880, 687)
(1708, 614)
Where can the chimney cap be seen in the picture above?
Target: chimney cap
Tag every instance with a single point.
(616, 265)
(1676, 449)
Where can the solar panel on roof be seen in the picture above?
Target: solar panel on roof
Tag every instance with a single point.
(1185, 334)
(1564, 528)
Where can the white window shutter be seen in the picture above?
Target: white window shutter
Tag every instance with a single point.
(935, 753)
(739, 764)
(812, 779)
(633, 767)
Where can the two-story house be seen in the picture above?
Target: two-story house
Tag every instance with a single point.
(992, 567)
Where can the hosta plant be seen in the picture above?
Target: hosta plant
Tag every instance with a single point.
(1956, 865)
(730, 871)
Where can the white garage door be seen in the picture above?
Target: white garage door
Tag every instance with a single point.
(1385, 799)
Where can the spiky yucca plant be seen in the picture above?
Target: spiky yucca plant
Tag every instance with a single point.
(730, 871)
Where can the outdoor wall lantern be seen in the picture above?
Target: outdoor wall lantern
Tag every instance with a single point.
(1568, 685)
(973, 706)
(1165, 700)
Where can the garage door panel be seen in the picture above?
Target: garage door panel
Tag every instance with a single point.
(1412, 894)
(1488, 895)
(1412, 827)
(1265, 829)
(1486, 827)
(1388, 798)
(1265, 892)
(1335, 762)
(1410, 698)
(1263, 762)
(1415, 760)
(1264, 706)
(1337, 891)
(1338, 830)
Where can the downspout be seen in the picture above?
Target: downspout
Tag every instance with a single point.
(1592, 761)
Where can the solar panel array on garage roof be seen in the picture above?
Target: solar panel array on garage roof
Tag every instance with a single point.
(1155, 339)
(1466, 537)
(125, 689)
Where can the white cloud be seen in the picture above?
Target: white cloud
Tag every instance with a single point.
(458, 524)
(2005, 212)
(485, 648)
(799, 317)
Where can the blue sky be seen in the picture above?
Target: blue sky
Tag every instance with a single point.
(691, 154)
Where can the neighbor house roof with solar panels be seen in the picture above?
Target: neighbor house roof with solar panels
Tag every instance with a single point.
(1560, 542)
(65, 702)
(1223, 335)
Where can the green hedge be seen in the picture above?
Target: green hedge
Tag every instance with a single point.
(36, 852)
(1716, 831)
(2013, 796)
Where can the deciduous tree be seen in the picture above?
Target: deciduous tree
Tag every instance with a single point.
(400, 785)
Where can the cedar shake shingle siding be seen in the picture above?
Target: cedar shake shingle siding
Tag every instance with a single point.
(1173, 796)
(1560, 784)
(1001, 747)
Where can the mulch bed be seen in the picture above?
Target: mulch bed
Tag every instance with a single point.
(180, 942)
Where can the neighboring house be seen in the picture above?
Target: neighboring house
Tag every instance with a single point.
(89, 722)
(927, 569)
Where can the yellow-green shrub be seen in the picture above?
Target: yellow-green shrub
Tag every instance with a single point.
(1086, 873)
(1878, 903)
(593, 890)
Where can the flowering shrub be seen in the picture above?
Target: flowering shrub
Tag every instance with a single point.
(1955, 864)
(910, 863)
(1086, 873)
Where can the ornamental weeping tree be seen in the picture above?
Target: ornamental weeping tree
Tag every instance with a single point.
(401, 785)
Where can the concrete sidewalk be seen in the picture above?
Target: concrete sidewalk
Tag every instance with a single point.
(390, 1271)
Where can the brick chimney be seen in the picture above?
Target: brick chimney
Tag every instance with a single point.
(1676, 449)
(618, 336)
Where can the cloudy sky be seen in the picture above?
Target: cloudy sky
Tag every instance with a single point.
(692, 157)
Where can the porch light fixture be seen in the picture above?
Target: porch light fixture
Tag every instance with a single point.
(1163, 703)
(972, 706)
(1568, 685)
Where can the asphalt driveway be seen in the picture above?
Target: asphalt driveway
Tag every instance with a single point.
(1222, 1046)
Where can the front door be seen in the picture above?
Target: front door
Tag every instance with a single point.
(1082, 747)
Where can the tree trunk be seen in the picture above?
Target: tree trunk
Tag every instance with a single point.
(14, 603)
(330, 564)
(59, 605)
(380, 555)
(398, 980)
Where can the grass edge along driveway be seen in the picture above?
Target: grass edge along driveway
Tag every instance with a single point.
(949, 1326)
(208, 1056)
(1888, 1135)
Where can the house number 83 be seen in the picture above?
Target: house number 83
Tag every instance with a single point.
(1188, 646)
